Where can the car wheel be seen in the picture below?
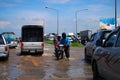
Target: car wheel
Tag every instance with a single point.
(40, 53)
(95, 71)
(21, 53)
(6, 58)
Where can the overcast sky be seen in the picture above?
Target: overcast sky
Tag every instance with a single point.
(15, 13)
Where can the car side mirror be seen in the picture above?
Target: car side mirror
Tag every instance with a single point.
(99, 43)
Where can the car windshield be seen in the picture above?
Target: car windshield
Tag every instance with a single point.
(32, 34)
(9, 37)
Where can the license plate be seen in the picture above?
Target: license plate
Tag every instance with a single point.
(32, 51)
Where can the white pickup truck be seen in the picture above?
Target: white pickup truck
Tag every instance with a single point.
(32, 39)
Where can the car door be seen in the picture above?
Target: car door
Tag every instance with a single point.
(92, 44)
(108, 55)
(115, 60)
(89, 46)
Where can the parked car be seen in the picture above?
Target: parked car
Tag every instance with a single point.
(4, 48)
(32, 39)
(96, 40)
(106, 58)
(11, 39)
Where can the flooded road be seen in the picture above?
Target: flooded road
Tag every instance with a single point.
(46, 67)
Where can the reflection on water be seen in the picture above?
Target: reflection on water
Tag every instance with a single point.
(14, 72)
(46, 67)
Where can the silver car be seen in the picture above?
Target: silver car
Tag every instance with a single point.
(96, 40)
(106, 59)
(4, 48)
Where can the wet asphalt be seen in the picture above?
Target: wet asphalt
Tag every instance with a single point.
(45, 67)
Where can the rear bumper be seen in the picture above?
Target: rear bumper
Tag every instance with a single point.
(32, 50)
(3, 54)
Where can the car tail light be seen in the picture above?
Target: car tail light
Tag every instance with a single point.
(42, 45)
(21, 44)
(6, 49)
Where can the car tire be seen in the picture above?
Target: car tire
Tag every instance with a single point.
(95, 71)
(6, 58)
(40, 53)
(21, 53)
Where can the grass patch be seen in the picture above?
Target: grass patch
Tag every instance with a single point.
(48, 41)
(74, 44)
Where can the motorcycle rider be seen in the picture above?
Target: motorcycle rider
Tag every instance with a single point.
(66, 42)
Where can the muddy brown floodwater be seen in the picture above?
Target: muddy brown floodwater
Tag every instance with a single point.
(46, 67)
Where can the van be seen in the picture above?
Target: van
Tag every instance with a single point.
(32, 39)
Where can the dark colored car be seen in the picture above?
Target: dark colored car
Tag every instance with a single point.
(97, 39)
(106, 58)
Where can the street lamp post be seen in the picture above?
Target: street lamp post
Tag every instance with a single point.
(57, 18)
(76, 17)
(115, 13)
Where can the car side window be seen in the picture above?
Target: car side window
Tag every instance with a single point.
(111, 40)
(118, 41)
(92, 37)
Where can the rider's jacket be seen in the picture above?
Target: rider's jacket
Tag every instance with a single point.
(65, 41)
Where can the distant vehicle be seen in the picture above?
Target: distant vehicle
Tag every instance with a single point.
(32, 39)
(106, 58)
(73, 38)
(51, 37)
(10, 38)
(85, 36)
(70, 38)
(71, 34)
(96, 40)
(4, 48)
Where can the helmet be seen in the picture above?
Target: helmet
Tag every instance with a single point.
(64, 35)
(58, 37)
